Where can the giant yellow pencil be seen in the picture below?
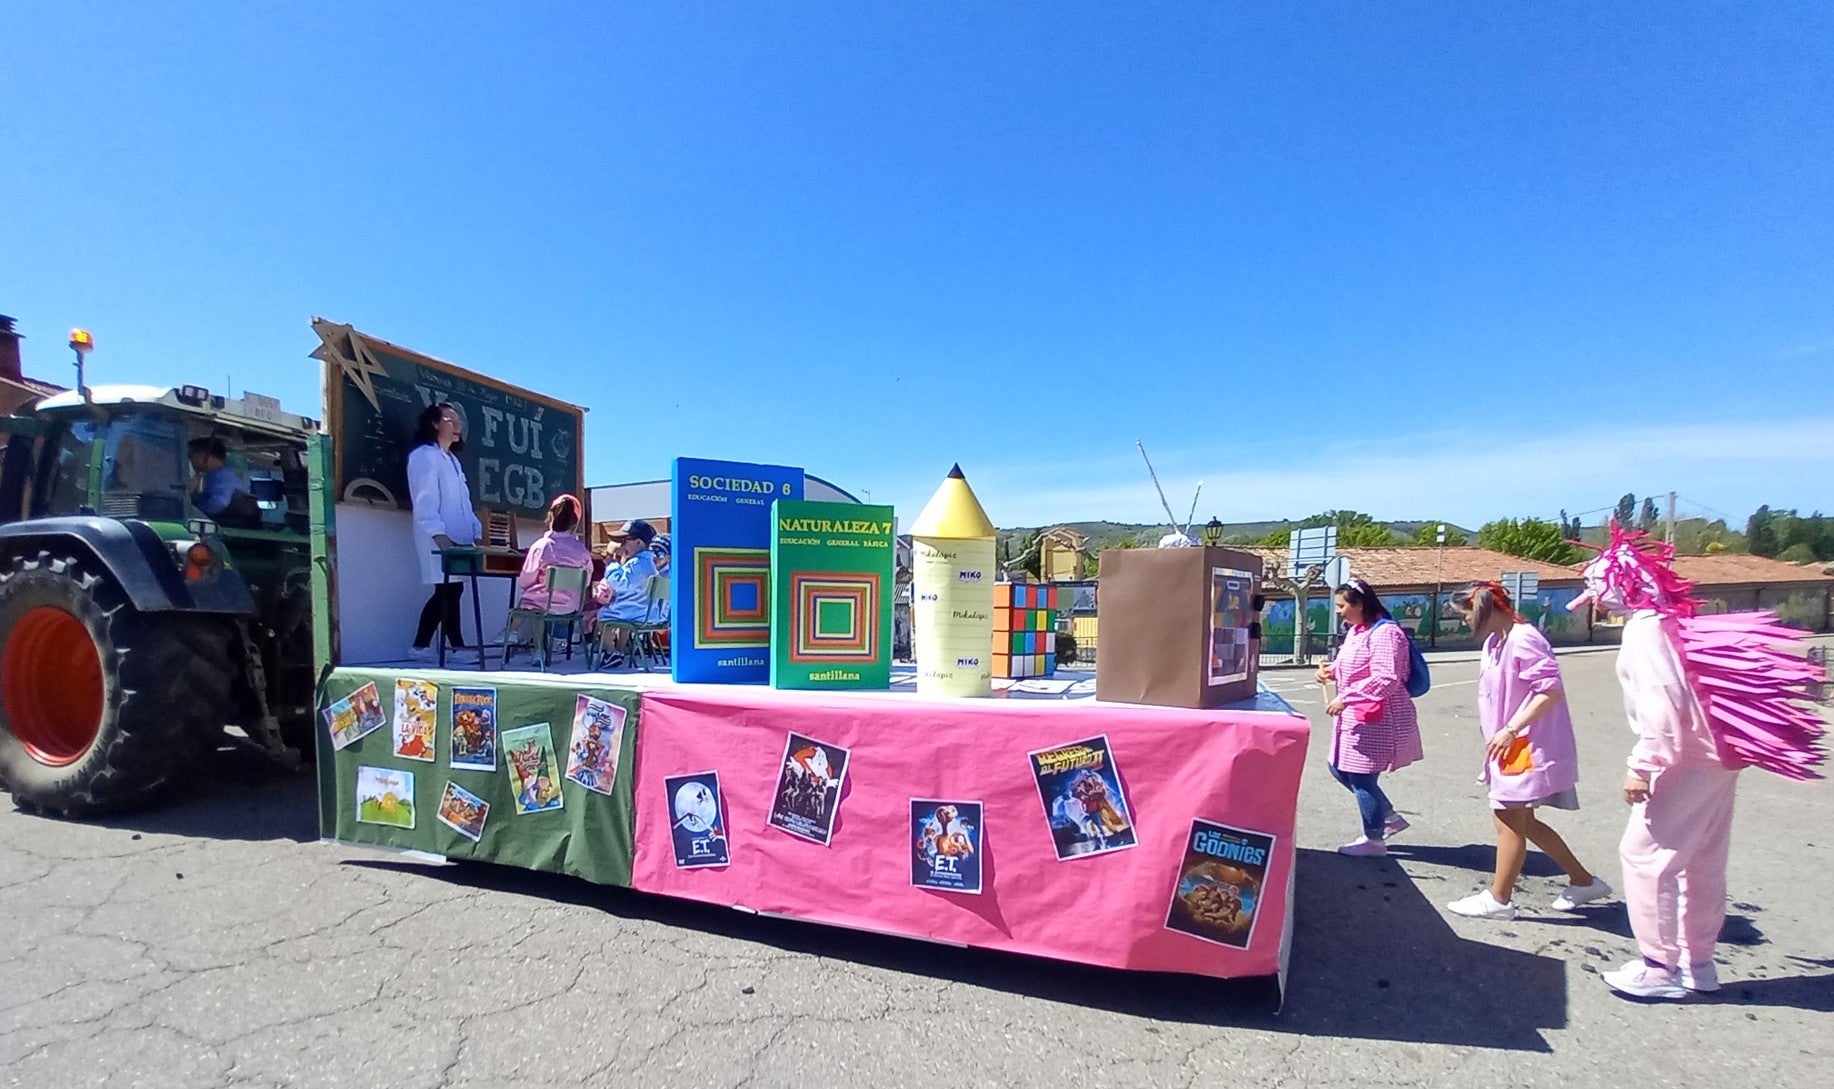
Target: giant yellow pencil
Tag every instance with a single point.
(952, 557)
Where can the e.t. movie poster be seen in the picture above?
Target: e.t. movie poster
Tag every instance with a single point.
(696, 821)
(809, 788)
(1083, 799)
(946, 845)
(1220, 884)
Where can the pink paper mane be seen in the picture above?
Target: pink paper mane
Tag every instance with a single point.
(1748, 671)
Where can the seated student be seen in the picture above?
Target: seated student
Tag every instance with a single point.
(558, 547)
(215, 488)
(624, 592)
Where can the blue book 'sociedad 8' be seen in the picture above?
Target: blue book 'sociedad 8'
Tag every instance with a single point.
(719, 596)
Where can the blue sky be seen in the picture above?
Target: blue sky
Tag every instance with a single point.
(1422, 260)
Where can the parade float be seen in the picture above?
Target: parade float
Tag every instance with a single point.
(783, 764)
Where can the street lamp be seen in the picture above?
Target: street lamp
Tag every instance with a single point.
(1212, 532)
(1438, 586)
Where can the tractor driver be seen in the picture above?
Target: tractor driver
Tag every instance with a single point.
(215, 488)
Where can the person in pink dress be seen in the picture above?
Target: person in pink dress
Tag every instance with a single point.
(1531, 760)
(558, 547)
(1375, 727)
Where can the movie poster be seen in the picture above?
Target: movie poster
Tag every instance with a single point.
(474, 729)
(1083, 800)
(809, 788)
(416, 717)
(385, 795)
(1220, 885)
(946, 845)
(462, 811)
(534, 770)
(598, 731)
(355, 717)
(697, 821)
(1230, 615)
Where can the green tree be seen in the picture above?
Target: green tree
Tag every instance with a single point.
(1354, 529)
(1761, 533)
(1428, 536)
(1627, 510)
(1797, 553)
(1278, 538)
(1815, 532)
(1646, 517)
(1530, 538)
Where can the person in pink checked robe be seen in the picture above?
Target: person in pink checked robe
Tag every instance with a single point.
(1531, 759)
(558, 547)
(1375, 728)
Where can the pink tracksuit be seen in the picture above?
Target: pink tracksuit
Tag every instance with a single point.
(1675, 844)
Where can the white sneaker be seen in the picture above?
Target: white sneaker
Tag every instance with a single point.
(1576, 895)
(1482, 905)
(422, 654)
(1394, 826)
(1641, 981)
(1364, 847)
(1702, 978)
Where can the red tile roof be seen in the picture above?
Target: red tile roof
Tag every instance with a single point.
(1410, 567)
(1393, 567)
(1739, 569)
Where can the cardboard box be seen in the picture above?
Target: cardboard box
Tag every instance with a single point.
(1179, 627)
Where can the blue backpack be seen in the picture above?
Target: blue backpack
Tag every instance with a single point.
(1419, 678)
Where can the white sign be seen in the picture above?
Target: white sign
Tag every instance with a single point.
(1310, 547)
(1521, 585)
(1337, 572)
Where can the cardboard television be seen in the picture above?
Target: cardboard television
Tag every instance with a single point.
(1181, 627)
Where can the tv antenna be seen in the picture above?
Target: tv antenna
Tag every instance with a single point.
(1185, 531)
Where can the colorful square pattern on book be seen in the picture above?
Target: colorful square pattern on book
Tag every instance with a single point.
(733, 597)
(835, 616)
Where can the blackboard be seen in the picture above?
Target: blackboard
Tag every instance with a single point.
(521, 449)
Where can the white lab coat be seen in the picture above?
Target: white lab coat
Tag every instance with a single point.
(442, 504)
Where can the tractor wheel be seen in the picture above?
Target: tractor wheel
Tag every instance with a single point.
(100, 705)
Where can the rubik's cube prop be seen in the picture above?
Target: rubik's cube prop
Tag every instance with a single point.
(1024, 630)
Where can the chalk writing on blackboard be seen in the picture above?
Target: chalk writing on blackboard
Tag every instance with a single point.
(521, 449)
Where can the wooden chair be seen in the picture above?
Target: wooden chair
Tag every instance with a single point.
(556, 580)
(641, 634)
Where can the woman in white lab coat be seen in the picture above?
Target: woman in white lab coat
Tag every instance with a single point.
(443, 517)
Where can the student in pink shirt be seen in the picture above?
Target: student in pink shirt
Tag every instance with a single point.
(558, 547)
(1531, 760)
(1375, 727)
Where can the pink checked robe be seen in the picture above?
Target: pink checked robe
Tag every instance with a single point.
(1517, 667)
(551, 549)
(1379, 729)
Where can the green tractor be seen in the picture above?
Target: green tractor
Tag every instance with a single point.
(134, 627)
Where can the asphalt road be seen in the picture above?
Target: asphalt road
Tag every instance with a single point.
(215, 942)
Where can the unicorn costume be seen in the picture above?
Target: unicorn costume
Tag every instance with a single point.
(1706, 696)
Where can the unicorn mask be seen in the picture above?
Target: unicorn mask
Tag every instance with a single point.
(1633, 572)
(1747, 670)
